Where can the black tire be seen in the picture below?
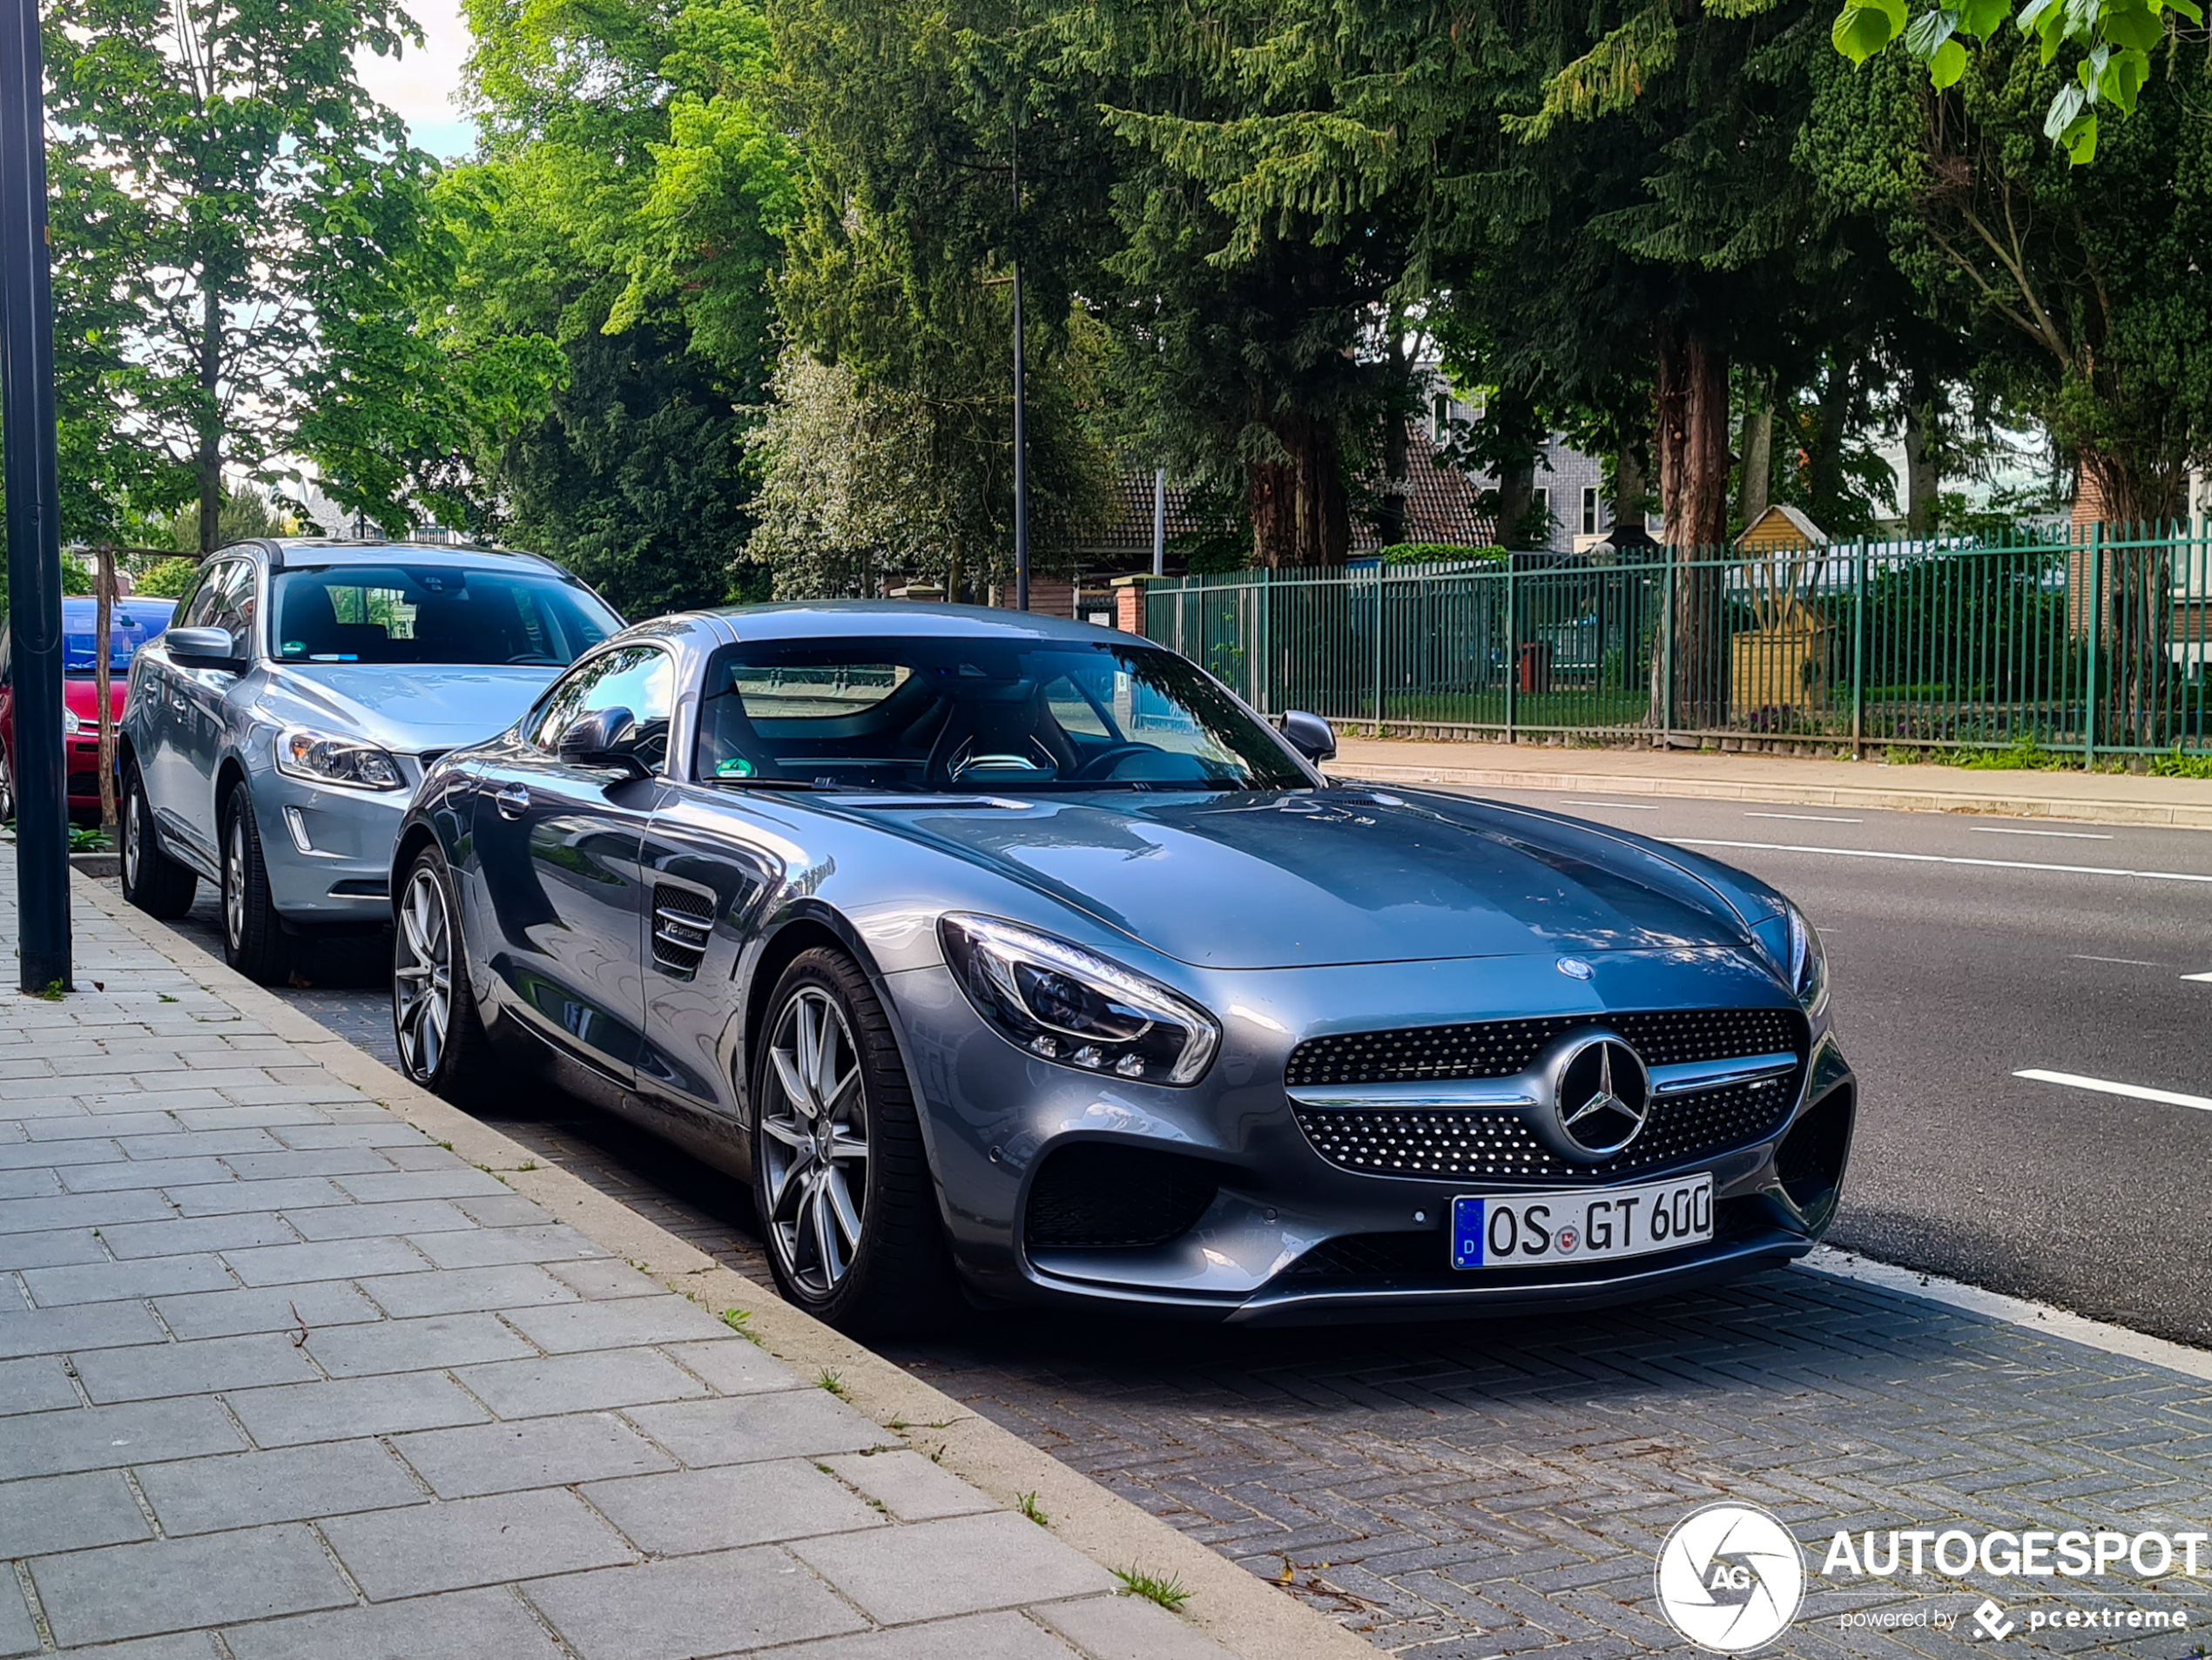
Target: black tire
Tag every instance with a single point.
(254, 939)
(151, 881)
(896, 1275)
(436, 1023)
(7, 787)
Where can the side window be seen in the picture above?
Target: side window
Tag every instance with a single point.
(225, 599)
(193, 610)
(640, 679)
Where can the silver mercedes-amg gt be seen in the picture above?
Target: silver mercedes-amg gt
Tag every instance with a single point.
(1016, 954)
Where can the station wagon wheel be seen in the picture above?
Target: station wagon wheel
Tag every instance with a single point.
(435, 1021)
(253, 941)
(151, 881)
(841, 1180)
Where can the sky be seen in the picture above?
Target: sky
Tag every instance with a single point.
(420, 85)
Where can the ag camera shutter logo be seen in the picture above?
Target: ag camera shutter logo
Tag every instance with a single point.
(1730, 1577)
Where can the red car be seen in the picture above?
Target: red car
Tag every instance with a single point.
(134, 623)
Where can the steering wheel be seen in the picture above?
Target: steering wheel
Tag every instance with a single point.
(1103, 764)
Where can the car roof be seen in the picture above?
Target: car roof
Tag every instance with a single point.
(309, 551)
(907, 619)
(84, 606)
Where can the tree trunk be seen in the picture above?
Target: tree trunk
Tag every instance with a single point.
(1690, 668)
(1921, 435)
(1632, 485)
(1300, 514)
(1756, 464)
(209, 461)
(1392, 516)
(103, 677)
(2135, 611)
(1825, 485)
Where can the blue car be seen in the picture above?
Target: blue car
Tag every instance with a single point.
(275, 729)
(1020, 957)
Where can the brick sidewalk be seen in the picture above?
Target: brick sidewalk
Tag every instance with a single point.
(282, 1377)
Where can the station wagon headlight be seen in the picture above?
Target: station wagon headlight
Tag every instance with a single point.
(1793, 945)
(71, 725)
(319, 758)
(1063, 1003)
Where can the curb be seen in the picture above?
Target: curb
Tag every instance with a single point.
(1233, 1607)
(2174, 815)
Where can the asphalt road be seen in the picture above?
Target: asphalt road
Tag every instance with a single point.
(1963, 951)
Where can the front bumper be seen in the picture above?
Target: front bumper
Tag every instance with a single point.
(328, 851)
(1285, 1235)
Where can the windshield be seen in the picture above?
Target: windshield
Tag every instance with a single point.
(979, 713)
(131, 624)
(434, 614)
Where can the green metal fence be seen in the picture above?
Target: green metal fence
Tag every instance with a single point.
(2097, 644)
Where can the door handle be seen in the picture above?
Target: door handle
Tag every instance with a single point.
(512, 802)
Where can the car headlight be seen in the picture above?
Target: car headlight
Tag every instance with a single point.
(1793, 946)
(321, 758)
(1063, 1003)
(71, 725)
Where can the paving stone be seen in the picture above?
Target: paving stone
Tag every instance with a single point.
(927, 1570)
(200, 1367)
(93, 1438)
(503, 1211)
(184, 1645)
(81, 1124)
(142, 1172)
(452, 1625)
(410, 1345)
(226, 1198)
(909, 1486)
(978, 1636)
(359, 1221)
(687, 1511)
(737, 1368)
(80, 1210)
(604, 1280)
(472, 1542)
(40, 1383)
(197, 1234)
(588, 1382)
(462, 1290)
(335, 1161)
(619, 1325)
(47, 1250)
(52, 1513)
(800, 1423)
(381, 1131)
(536, 1452)
(226, 1313)
(17, 1634)
(177, 1584)
(296, 1413)
(293, 1484)
(1129, 1628)
(106, 1282)
(286, 1264)
(420, 1184)
(489, 1247)
(217, 1142)
(33, 1183)
(693, 1607)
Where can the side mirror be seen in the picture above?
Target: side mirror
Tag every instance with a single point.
(594, 740)
(1310, 736)
(207, 648)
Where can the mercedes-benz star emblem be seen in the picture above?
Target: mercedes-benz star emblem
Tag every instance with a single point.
(1604, 1096)
(1576, 969)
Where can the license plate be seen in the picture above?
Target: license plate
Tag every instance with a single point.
(1527, 1230)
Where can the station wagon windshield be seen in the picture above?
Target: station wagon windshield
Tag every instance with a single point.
(1004, 715)
(358, 613)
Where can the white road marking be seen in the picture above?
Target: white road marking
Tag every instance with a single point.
(1625, 806)
(2201, 979)
(1809, 818)
(2106, 1086)
(2062, 835)
(2134, 962)
(1946, 858)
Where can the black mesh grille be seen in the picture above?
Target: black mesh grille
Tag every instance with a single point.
(682, 923)
(1498, 1049)
(1096, 1197)
(1495, 1145)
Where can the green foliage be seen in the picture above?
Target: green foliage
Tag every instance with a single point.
(166, 578)
(1438, 553)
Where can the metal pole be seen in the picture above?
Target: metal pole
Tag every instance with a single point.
(2096, 630)
(1859, 656)
(1159, 521)
(34, 526)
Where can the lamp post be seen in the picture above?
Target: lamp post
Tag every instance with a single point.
(34, 526)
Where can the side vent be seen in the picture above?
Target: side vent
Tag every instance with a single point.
(682, 922)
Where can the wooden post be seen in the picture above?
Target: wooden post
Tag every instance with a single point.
(103, 675)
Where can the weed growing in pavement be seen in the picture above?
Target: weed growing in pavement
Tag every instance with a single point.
(82, 841)
(52, 992)
(446, 1145)
(2177, 764)
(1029, 1507)
(735, 1319)
(832, 1382)
(1169, 1593)
(528, 1164)
(167, 998)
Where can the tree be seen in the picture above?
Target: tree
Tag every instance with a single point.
(237, 184)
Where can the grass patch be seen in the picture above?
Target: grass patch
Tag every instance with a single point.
(2177, 763)
(1029, 1507)
(1169, 1593)
(52, 992)
(735, 1319)
(831, 1381)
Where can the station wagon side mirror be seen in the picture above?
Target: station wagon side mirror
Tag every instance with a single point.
(203, 648)
(594, 740)
(1309, 735)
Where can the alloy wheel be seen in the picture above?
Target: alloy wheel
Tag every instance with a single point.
(423, 976)
(814, 1142)
(7, 789)
(134, 831)
(234, 881)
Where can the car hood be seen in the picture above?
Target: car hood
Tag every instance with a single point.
(1308, 878)
(404, 707)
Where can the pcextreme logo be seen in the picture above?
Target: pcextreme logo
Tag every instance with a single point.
(1730, 1577)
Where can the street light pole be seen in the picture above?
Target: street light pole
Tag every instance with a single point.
(34, 526)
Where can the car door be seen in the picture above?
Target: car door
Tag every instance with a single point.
(200, 700)
(156, 714)
(557, 844)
